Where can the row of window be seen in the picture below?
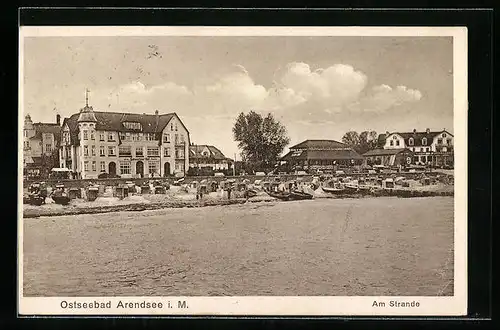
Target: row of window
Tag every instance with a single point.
(424, 141)
(125, 166)
(126, 151)
(126, 136)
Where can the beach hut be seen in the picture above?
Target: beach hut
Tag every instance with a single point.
(388, 183)
(131, 187)
(121, 191)
(92, 193)
(74, 193)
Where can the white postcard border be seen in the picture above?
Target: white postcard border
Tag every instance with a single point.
(305, 306)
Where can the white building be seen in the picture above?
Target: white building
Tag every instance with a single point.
(428, 147)
(202, 156)
(126, 144)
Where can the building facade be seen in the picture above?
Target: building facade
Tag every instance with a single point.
(40, 147)
(321, 155)
(124, 144)
(389, 157)
(203, 156)
(429, 148)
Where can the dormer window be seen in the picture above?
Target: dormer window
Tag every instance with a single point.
(424, 141)
(132, 125)
(410, 141)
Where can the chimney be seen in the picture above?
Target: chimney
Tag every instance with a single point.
(156, 112)
(414, 130)
(386, 133)
(427, 131)
(58, 119)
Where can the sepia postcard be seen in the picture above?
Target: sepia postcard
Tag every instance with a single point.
(232, 171)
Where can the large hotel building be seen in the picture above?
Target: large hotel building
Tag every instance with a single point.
(124, 144)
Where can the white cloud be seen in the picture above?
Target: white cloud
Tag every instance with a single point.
(299, 93)
(336, 84)
(384, 97)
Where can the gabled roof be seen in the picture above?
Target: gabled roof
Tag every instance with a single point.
(41, 128)
(418, 136)
(195, 151)
(113, 121)
(339, 154)
(386, 152)
(319, 144)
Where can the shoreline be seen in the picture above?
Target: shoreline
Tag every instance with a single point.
(40, 211)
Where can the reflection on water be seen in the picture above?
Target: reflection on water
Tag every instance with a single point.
(379, 246)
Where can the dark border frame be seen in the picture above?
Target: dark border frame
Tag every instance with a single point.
(480, 89)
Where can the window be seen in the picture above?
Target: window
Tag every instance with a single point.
(122, 136)
(448, 142)
(85, 134)
(125, 151)
(172, 126)
(111, 136)
(111, 151)
(101, 151)
(166, 138)
(166, 152)
(392, 143)
(443, 135)
(424, 141)
(132, 125)
(92, 136)
(440, 141)
(153, 167)
(182, 138)
(93, 150)
(139, 152)
(103, 166)
(410, 141)
(101, 136)
(150, 136)
(397, 142)
(86, 165)
(94, 166)
(48, 148)
(125, 167)
(153, 151)
(176, 137)
(85, 150)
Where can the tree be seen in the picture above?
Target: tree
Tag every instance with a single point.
(362, 142)
(260, 139)
(367, 141)
(351, 138)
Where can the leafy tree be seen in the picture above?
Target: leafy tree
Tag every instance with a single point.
(261, 139)
(351, 138)
(361, 142)
(367, 141)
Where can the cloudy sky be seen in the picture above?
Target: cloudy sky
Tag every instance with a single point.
(319, 87)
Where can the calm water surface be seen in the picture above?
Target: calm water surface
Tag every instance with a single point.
(372, 246)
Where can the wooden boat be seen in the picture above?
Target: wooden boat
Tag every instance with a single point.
(284, 196)
(350, 188)
(61, 199)
(333, 190)
(251, 193)
(36, 200)
(300, 195)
